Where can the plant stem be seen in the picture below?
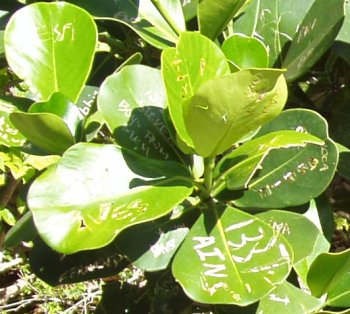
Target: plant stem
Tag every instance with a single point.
(209, 164)
(164, 13)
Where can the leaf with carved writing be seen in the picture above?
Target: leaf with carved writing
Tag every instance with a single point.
(245, 52)
(315, 35)
(134, 112)
(43, 47)
(234, 258)
(275, 22)
(154, 243)
(293, 176)
(57, 269)
(238, 167)
(213, 15)
(142, 17)
(223, 110)
(299, 231)
(288, 299)
(87, 198)
(194, 61)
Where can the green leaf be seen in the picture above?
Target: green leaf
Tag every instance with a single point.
(154, 243)
(43, 44)
(300, 232)
(8, 217)
(245, 52)
(85, 200)
(189, 8)
(194, 61)
(134, 112)
(126, 90)
(288, 299)
(339, 296)
(58, 269)
(235, 258)
(315, 35)
(293, 176)
(142, 17)
(223, 110)
(59, 105)
(9, 134)
(45, 130)
(213, 16)
(328, 273)
(238, 167)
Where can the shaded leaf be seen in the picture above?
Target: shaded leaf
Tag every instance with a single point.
(235, 258)
(315, 35)
(43, 47)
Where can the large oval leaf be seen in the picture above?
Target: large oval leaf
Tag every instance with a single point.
(223, 110)
(43, 44)
(85, 200)
(195, 60)
(293, 176)
(235, 258)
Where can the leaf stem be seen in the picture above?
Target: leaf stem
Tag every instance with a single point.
(164, 13)
(209, 164)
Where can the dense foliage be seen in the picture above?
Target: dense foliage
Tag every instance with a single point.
(203, 143)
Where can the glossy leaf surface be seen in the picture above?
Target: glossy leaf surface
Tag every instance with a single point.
(43, 44)
(223, 110)
(235, 258)
(194, 61)
(85, 200)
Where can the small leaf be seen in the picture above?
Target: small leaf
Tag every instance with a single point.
(245, 52)
(59, 105)
(315, 35)
(85, 200)
(223, 110)
(43, 47)
(45, 130)
(235, 258)
(213, 16)
(194, 61)
(288, 299)
(238, 167)
(8, 217)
